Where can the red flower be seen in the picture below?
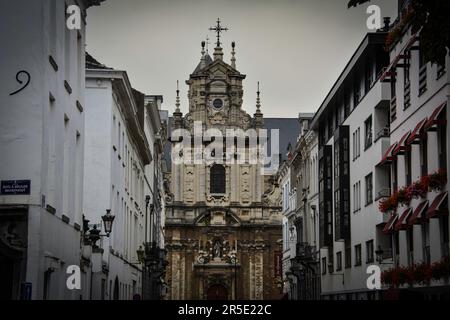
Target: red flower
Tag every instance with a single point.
(441, 269)
(421, 273)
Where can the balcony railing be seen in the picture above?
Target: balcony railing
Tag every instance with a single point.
(383, 193)
(304, 251)
(387, 254)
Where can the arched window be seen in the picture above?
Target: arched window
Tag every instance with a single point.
(217, 179)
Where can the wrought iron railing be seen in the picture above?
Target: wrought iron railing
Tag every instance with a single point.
(304, 251)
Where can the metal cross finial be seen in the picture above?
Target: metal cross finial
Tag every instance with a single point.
(218, 29)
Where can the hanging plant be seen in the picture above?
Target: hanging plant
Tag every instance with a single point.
(388, 204)
(437, 180)
(421, 273)
(441, 269)
(417, 190)
(403, 196)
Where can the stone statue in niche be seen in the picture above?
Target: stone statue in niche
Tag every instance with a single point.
(217, 250)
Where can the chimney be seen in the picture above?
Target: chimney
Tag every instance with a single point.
(387, 23)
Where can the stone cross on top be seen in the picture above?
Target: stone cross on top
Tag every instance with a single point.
(218, 29)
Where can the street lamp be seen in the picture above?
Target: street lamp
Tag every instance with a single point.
(108, 220)
(140, 254)
(94, 234)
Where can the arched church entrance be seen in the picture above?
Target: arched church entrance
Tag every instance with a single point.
(217, 292)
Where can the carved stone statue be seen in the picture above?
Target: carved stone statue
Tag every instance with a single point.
(217, 250)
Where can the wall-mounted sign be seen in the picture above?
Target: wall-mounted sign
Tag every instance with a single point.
(15, 187)
(278, 264)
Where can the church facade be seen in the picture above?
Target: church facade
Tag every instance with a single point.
(223, 220)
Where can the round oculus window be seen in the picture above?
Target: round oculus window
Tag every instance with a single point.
(217, 103)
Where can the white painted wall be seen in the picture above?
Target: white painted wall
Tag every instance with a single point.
(36, 143)
(114, 178)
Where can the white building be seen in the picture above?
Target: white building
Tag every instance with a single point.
(116, 153)
(417, 232)
(382, 136)
(353, 132)
(41, 144)
(288, 211)
(303, 220)
(155, 128)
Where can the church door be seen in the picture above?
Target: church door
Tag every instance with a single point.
(217, 292)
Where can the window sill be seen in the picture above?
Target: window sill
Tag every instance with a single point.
(367, 147)
(217, 195)
(421, 93)
(440, 75)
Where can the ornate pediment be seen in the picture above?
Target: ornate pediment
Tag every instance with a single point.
(217, 217)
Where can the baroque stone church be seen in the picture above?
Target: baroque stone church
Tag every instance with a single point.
(223, 221)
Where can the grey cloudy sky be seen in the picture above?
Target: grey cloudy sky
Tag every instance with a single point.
(295, 48)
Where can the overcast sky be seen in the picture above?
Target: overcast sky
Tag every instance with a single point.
(295, 48)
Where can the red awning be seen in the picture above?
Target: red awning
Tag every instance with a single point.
(402, 222)
(389, 227)
(388, 70)
(434, 117)
(401, 145)
(388, 155)
(418, 214)
(417, 132)
(438, 205)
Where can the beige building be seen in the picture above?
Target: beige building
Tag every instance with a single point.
(223, 219)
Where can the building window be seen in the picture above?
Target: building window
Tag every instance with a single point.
(330, 127)
(369, 251)
(425, 242)
(348, 257)
(356, 143)
(369, 189)
(424, 156)
(339, 261)
(217, 179)
(408, 165)
(324, 265)
(358, 255)
(393, 103)
(368, 133)
(442, 143)
(444, 234)
(410, 246)
(357, 196)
